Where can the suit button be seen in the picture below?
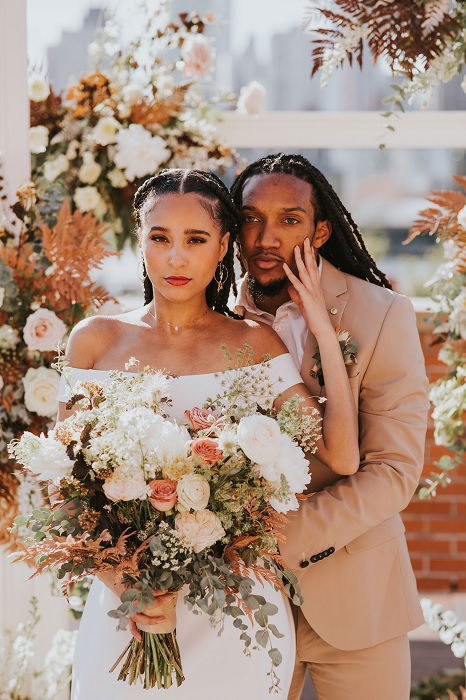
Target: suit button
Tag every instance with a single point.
(314, 558)
(303, 563)
(321, 556)
(331, 550)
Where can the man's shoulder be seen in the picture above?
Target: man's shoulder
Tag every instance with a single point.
(378, 298)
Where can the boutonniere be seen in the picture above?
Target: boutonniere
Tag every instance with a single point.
(349, 349)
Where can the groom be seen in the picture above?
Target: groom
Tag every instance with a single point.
(346, 543)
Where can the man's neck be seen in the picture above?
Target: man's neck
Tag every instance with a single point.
(271, 304)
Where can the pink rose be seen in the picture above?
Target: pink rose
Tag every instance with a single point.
(199, 419)
(197, 54)
(207, 450)
(163, 495)
(43, 330)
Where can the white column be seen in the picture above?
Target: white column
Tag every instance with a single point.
(15, 589)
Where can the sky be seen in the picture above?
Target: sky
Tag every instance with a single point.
(47, 19)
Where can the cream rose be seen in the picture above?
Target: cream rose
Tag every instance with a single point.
(43, 330)
(9, 337)
(87, 198)
(38, 139)
(198, 55)
(89, 170)
(105, 131)
(251, 98)
(40, 391)
(125, 486)
(193, 492)
(39, 89)
(117, 178)
(55, 167)
(199, 530)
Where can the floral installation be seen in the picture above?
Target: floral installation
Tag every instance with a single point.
(450, 630)
(19, 680)
(446, 220)
(349, 350)
(422, 41)
(167, 505)
(139, 111)
(45, 288)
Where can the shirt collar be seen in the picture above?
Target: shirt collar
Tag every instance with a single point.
(246, 304)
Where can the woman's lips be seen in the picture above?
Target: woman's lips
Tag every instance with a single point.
(177, 281)
(265, 262)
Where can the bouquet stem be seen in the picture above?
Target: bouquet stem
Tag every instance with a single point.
(154, 660)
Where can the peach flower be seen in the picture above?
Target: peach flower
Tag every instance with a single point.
(163, 495)
(207, 450)
(43, 330)
(200, 529)
(198, 56)
(199, 419)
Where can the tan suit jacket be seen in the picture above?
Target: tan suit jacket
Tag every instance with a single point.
(364, 592)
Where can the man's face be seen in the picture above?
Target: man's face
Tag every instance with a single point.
(277, 215)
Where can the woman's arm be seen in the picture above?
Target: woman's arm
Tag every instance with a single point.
(338, 448)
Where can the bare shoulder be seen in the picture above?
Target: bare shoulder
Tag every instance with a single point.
(260, 336)
(88, 339)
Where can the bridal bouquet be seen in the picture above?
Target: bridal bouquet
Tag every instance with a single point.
(167, 505)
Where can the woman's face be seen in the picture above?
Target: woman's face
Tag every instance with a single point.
(181, 245)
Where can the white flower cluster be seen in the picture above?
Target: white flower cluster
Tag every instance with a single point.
(449, 399)
(168, 550)
(277, 456)
(445, 622)
(333, 56)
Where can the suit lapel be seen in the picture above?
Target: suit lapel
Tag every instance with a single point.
(335, 292)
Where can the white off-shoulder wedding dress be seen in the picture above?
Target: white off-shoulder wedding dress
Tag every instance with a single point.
(214, 666)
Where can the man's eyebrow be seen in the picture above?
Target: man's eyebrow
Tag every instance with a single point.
(294, 209)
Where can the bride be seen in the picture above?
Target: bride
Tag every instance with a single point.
(186, 229)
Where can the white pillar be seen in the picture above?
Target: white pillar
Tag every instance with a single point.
(15, 589)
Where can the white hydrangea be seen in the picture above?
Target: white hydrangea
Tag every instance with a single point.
(46, 457)
(138, 152)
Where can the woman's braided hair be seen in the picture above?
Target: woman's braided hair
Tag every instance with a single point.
(223, 210)
(345, 248)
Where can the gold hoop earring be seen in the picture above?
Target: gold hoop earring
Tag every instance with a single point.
(142, 277)
(223, 276)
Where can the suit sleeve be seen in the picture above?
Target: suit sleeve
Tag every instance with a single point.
(392, 422)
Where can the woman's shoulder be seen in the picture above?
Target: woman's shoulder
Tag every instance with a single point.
(260, 336)
(90, 337)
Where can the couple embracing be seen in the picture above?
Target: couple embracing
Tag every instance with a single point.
(308, 274)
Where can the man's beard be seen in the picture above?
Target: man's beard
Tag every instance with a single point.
(271, 289)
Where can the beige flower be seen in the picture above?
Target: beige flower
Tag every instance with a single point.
(38, 139)
(39, 89)
(89, 171)
(43, 330)
(117, 178)
(251, 98)
(198, 55)
(105, 131)
(40, 391)
(55, 167)
(87, 198)
(72, 150)
(193, 492)
(200, 529)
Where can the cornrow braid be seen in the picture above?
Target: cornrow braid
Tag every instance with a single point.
(345, 248)
(223, 210)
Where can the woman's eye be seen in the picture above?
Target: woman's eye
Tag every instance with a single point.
(291, 220)
(158, 238)
(197, 239)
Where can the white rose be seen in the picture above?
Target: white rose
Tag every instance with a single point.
(55, 167)
(117, 178)
(251, 98)
(2, 296)
(40, 391)
(49, 459)
(132, 93)
(43, 330)
(38, 139)
(72, 150)
(125, 486)
(39, 89)
(198, 56)
(291, 462)
(89, 170)
(193, 492)
(200, 529)
(87, 198)
(459, 649)
(9, 337)
(462, 217)
(105, 131)
(259, 438)
(138, 152)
